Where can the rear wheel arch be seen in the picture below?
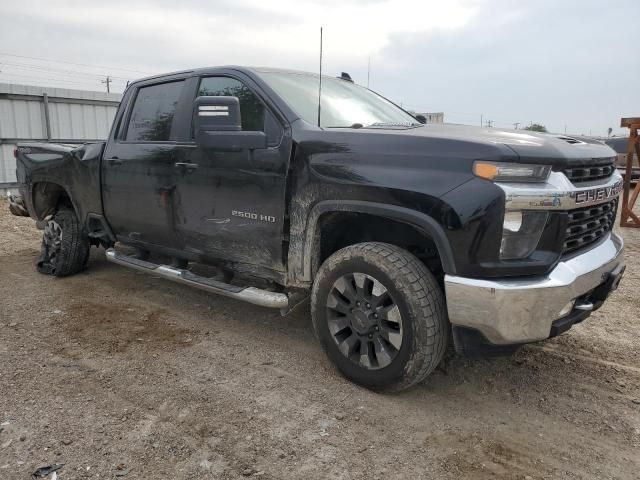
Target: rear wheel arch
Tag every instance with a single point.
(47, 197)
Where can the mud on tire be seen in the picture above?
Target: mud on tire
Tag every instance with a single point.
(65, 245)
(380, 316)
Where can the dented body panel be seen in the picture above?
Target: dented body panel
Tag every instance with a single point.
(73, 169)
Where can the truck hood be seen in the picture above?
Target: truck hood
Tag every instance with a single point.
(507, 145)
(432, 159)
(532, 147)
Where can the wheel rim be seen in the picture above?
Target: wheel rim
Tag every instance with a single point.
(364, 321)
(52, 239)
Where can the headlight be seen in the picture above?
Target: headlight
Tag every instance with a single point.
(521, 231)
(511, 172)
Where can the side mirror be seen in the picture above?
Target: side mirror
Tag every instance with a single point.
(218, 125)
(421, 118)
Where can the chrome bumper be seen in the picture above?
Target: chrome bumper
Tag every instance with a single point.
(508, 311)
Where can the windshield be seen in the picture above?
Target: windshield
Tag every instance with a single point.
(344, 104)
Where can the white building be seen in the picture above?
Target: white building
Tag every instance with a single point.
(434, 117)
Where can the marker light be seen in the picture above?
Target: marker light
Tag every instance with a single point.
(511, 172)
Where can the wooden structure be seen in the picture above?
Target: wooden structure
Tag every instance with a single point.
(629, 196)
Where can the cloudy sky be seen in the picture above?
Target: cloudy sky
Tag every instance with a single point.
(564, 63)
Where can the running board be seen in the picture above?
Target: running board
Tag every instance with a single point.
(264, 298)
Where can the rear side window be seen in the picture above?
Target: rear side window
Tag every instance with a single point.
(152, 114)
(251, 109)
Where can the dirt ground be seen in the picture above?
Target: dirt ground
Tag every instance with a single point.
(117, 374)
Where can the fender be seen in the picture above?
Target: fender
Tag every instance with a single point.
(421, 221)
(72, 169)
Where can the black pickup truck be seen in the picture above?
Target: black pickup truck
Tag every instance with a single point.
(408, 238)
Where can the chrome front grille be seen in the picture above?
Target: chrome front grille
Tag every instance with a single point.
(589, 173)
(588, 225)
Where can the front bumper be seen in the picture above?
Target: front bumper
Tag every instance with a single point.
(513, 311)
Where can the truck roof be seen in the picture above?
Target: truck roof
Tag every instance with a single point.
(240, 68)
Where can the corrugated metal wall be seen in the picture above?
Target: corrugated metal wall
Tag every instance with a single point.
(74, 116)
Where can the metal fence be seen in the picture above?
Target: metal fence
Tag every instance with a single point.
(42, 114)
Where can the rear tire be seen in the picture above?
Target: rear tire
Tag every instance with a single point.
(65, 245)
(380, 316)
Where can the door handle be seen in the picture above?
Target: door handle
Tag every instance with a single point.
(189, 167)
(114, 161)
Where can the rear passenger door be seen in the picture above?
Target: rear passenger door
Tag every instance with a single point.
(138, 170)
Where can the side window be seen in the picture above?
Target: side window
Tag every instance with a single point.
(252, 111)
(152, 114)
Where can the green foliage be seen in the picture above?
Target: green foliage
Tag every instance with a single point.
(536, 127)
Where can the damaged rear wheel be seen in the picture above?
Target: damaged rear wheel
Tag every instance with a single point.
(65, 245)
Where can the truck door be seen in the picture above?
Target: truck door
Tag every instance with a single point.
(138, 169)
(231, 204)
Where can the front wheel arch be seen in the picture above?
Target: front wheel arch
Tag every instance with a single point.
(426, 225)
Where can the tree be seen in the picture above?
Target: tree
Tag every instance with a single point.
(536, 127)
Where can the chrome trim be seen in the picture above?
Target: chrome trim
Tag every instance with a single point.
(558, 193)
(509, 311)
(256, 296)
(585, 306)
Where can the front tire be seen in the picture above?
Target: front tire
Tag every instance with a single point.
(379, 315)
(65, 245)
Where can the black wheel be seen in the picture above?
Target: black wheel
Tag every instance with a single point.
(65, 245)
(379, 315)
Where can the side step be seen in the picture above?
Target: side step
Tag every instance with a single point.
(264, 298)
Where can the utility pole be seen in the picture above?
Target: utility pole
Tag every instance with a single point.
(489, 123)
(481, 123)
(515, 125)
(107, 82)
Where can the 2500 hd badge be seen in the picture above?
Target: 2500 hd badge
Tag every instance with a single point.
(253, 216)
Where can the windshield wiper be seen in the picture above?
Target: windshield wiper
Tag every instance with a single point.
(353, 125)
(379, 125)
(393, 124)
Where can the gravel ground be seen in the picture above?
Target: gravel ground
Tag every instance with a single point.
(120, 375)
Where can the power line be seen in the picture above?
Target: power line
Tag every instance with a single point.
(74, 74)
(87, 85)
(25, 77)
(74, 63)
(38, 76)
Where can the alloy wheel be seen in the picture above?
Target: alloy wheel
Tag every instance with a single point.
(364, 321)
(52, 239)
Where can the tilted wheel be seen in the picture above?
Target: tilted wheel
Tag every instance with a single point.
(65, 245)
(379, 315)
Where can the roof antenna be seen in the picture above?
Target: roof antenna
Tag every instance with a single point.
(320, 82)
